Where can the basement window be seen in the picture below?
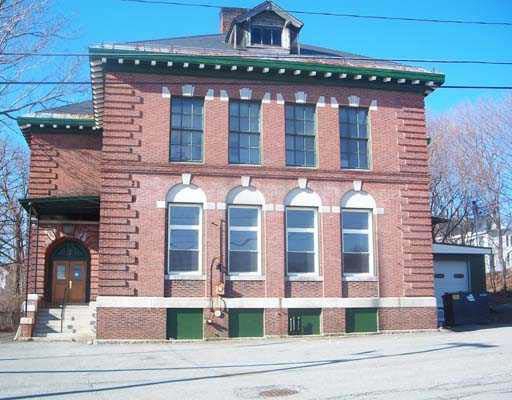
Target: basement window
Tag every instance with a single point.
(266, 36)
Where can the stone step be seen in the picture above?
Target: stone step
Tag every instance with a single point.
(79, 323)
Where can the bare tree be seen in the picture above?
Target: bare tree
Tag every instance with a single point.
(13, 219)
(449, 198)
(472, 161)
(28, 28)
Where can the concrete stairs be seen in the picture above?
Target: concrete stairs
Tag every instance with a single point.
(79, 323)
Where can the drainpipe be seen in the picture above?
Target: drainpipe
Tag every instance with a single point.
(28, 257)
(37, 254)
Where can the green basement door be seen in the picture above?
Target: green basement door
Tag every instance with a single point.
(245, 322)
(184, 323)
(361, 320)
(304, 321)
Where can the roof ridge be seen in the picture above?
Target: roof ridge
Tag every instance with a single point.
(172, 38)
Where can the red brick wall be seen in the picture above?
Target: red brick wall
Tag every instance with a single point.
(185, 288)
(131, 323)
(276, 322)
(136, 173)
(333, 320)
(217, 328)
(360, 289)
(64, 163)
(407, 318)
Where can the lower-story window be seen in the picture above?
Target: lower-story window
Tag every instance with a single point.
(357, 242)
(301, 241)
(184, 239)
(244, 239)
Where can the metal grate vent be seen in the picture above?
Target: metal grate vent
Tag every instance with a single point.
(278, 393)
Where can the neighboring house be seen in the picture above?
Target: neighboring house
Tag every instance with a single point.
(236, 184)
(487, 235)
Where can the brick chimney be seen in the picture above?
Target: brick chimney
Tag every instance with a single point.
(227, 15)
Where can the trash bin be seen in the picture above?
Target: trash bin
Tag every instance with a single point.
(465, 308)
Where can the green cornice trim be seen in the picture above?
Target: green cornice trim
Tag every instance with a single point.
(86, 122)
(97, 53)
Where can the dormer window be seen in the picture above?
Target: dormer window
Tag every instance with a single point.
(266, 36)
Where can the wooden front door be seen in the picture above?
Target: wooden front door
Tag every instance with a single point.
(69, 281)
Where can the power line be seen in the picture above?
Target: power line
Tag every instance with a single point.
(289, 57)
(218, 82)
(334, 14)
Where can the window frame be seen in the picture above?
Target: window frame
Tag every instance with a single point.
(371, 251)
(244, 229)
(230, 132)
(199, 227)
(315, 136)
(315, 232)
(269, 27)
(201, 161)
(368, 139)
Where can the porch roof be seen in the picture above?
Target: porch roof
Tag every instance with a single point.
(68, 207)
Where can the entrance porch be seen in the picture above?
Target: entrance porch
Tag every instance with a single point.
(63, 253)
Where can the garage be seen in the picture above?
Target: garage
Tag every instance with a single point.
(450, 276)
(458, 269)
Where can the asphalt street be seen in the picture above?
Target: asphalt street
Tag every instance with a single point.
(475, 364)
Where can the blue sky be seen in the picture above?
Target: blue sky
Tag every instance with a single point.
(114, 20)
(96, 21)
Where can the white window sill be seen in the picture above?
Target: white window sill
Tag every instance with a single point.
(185, 277)
(360, 278)
(356, 169)
(304, 278)
(245, 277)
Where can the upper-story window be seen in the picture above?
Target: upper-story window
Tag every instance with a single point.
(244, 132)
(354, 138)
(300, 135)
(186, 129)
(266, 35)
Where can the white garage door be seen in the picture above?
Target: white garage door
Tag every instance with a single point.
(450, 277)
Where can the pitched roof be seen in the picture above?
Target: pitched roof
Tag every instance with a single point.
(215, 45)
(79, 115)
(81, 110)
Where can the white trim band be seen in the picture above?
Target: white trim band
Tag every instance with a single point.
(266, 302)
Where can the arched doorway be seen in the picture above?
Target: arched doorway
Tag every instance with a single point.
(69, 273)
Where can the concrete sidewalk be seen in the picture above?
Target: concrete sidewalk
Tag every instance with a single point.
(441, 365)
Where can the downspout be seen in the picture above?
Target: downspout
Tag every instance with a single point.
(37, 254)
(28, 257)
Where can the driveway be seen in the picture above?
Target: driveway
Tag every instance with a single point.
(441, 365)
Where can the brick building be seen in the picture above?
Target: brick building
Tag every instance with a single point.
(236, 184)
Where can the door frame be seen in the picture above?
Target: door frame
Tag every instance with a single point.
(52, 256)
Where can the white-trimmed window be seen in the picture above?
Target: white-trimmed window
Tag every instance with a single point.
(301, 241)
(244, 242)
(184, 238)
(357, 242)
(354, 138)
